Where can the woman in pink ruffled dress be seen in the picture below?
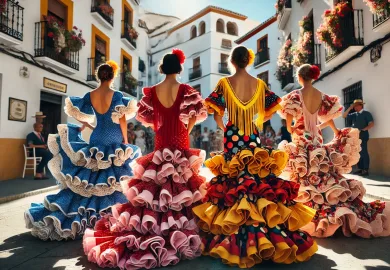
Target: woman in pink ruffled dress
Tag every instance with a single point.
(157, 228)
(319, 167)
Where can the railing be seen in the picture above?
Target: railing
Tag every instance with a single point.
(103, 9)
(288, 78)
(11, 20)
(126, 27)
(126, 85)
(195, 72)
(378, 19)
(91, 70)
(262, 57)
(44, 47)
(223, 68)
(352, 33)
(316, 56)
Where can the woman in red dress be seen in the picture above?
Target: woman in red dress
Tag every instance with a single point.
(157, 228)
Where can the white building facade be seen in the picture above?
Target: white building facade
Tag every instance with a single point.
(206, 38)
(265, 41)
(35, 76)
(358, 70)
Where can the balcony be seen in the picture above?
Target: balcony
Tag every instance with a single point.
(381, 22)
(11, 23)
(128, 84)
(103, 12)
(353, 39)
(46, 52)
(315, 58)
(262, 58)
(91, 68)
(128, 35)
(223, 68)
(284, 15)
(195, 72)
(288, 78)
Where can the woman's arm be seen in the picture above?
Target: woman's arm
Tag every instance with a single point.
(123, 125)
(332, 125)
(219, 121)
(191, 124)
(289, 120)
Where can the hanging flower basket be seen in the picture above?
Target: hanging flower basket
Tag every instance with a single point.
(304, 48)
(284, 60)
(106, 10)
(56, 31)
(378, 7)
(133, 33)
(329, 31)
(74, 39)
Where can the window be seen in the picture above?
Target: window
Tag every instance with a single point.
(196, 62)
(193, 32)
(264, 76)
(202, 28)
(197, 88)
(232, 29)
(100, 47)
(127, 16)
(351, 93)
(226, 43)
(126, 64)
(224, 58)
(61, 9)
(262, 43)
(220, 26)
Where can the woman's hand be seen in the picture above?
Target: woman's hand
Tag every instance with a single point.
(82, 126)
(337, 133)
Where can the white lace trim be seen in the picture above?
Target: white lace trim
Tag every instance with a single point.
(120, 110)
(75, 112)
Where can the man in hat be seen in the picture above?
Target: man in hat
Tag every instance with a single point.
(36, 140)
(362, 120)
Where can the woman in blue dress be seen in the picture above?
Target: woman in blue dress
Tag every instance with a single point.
(89, 174)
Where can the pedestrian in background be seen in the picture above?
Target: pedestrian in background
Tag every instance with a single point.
(362, 120)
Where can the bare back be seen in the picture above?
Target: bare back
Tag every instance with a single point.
(167, 93)
(101, 100)
(243, 85)
(312, 99)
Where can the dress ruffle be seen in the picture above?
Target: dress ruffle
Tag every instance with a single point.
(340, 154)
(124, 106)
(80, 108)
(134, 250)
(192, 105)
(253, 244)
(85, 169)
(258, 161)
(66, 214)
(145, 108)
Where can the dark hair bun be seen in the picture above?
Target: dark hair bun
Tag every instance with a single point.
(105, 73)
(240, 57)
(170, 64)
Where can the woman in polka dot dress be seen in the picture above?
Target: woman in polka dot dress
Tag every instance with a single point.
(249, 214)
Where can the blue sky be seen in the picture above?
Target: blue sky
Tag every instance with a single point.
(258, 10)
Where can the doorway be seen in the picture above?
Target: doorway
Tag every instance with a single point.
(51, 106)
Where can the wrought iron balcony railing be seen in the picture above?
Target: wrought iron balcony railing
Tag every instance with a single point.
(195, 72)
(262, 57)
(126, 33)
(223, 68)
(379, 19)
(104, 9)
(11, 19)
(128, 84)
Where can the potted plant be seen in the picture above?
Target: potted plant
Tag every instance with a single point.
(378, 7)
(74, 39)
(56, 31)
(106, 9)
(3, 6)
(284, 62)
(329, 31)
(133, 33)
(303, 49)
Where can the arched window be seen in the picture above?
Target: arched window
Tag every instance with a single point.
(220, 26)
(202, 28)
(232, 29)
(193, 32)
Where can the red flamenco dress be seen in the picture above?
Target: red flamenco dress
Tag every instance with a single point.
(249, 214)
(157, 227)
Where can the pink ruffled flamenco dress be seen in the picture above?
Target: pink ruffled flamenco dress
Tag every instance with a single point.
(156, 227)
(318, 167)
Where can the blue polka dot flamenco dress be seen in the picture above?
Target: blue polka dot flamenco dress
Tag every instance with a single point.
(89, 175)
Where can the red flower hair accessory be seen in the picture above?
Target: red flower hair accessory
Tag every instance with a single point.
(315, 72)
(180, 55)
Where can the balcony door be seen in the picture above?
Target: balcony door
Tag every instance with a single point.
(262, 44)
(100, 52)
